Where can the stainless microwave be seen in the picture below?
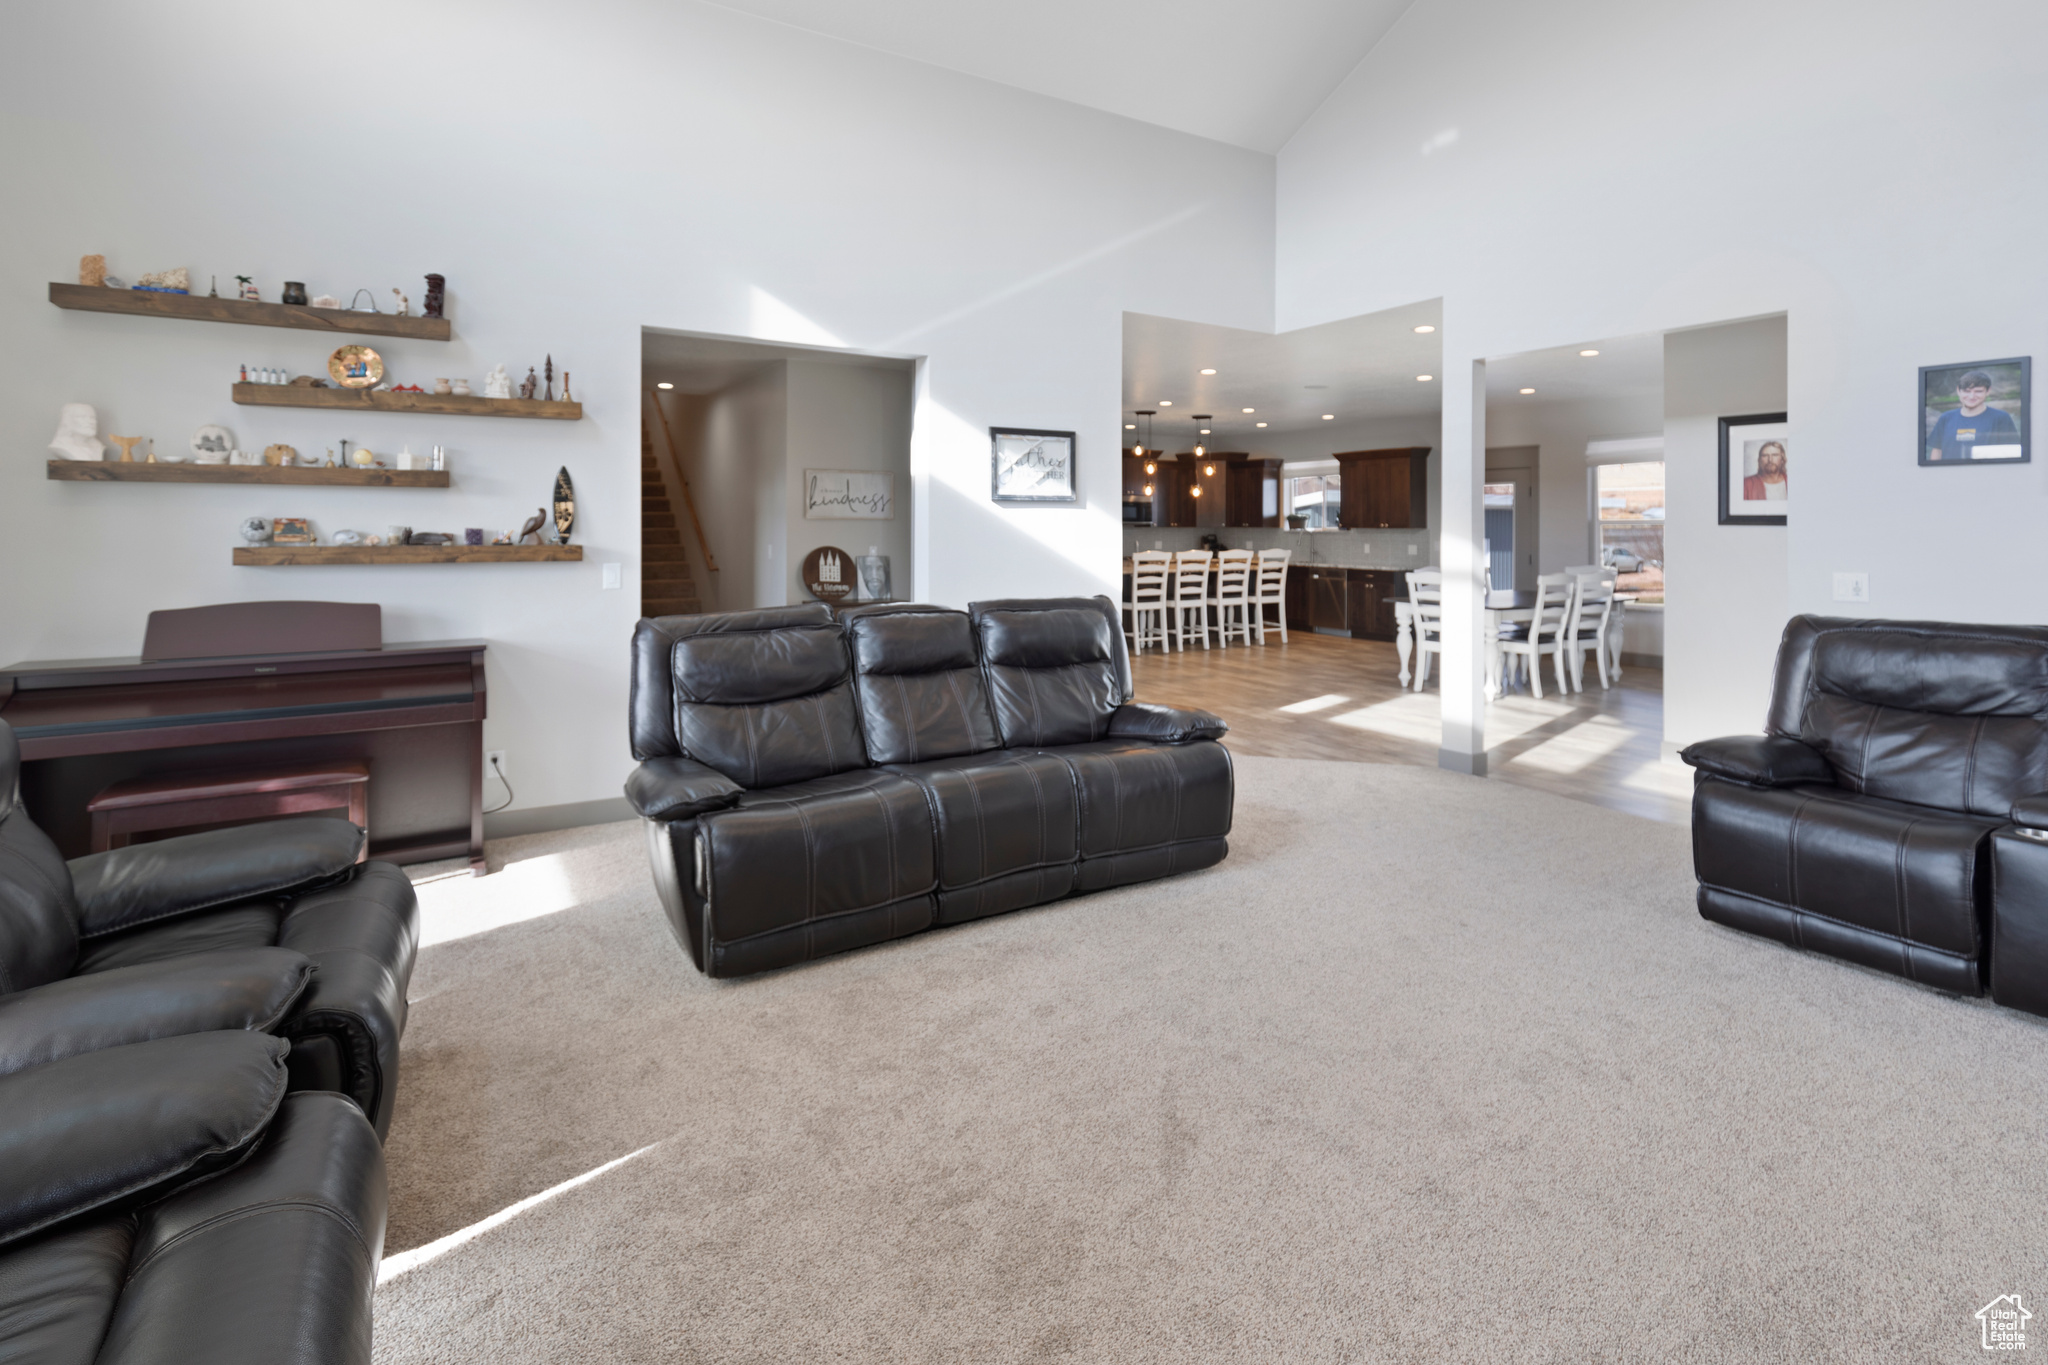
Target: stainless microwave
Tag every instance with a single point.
(1137, 511)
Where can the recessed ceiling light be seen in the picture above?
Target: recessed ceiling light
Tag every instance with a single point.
(1130, 426)
(1208, 372)
(1251, 409)
(1262, 424)
(1425, 327)
(1329, 417)
(664, 384)
(1424, 378)
(1166, 402)
(1589, 353)
(1528, 390)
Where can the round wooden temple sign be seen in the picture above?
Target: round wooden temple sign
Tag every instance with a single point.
(828, 573)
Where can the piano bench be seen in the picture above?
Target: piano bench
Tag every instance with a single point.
(189, 800)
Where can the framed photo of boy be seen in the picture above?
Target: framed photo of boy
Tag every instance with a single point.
(1026, 465)
(1755, 479)
(1976, 414)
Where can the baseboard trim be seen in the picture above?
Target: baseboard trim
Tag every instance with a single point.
(1655, 661)
(541, 819)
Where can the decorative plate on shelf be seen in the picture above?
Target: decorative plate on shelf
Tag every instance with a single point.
(356, 367)
(211, 445)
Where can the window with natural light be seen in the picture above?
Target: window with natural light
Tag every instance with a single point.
(1631, 524)
(1315, 497)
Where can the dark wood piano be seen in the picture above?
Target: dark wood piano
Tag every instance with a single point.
(256, 685)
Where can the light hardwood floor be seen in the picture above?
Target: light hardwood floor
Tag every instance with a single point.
(1320, 696)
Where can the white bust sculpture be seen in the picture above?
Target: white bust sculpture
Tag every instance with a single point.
(78, 429)
(498, 384)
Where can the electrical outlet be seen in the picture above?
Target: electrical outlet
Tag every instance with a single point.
(494, 762)
(611, 575)
(1414, 549)
(1852, 587)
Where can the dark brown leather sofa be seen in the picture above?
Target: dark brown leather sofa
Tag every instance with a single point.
(814, 783)
(198, 1055)
(1895, 811)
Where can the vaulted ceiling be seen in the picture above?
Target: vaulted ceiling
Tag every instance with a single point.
(1238, 72)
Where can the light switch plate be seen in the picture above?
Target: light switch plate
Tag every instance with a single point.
(1414, 549)
(1852, 587)
(611, 575)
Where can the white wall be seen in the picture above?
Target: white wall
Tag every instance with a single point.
(1596, 168)
(576, 175)
(1560, 431)
(1725, 585)
(848, 417)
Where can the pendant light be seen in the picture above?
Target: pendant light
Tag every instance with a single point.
(1144, 437)
(1201, 450)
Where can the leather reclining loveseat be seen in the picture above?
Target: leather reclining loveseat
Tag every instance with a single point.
(198, 1057)
(1895, 812)
(813, 783)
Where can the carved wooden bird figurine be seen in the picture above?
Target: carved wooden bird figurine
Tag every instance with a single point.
(532, 528)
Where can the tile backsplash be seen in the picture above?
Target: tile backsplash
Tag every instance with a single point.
(1347, 549)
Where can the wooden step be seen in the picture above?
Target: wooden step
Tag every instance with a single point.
(656, 554)
(678, 584)
(659, 535)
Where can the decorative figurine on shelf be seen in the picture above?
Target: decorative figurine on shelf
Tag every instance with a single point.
(472, 535)
(565, 506)
(213, 286)
(245, 457)
(404, 303)
(256, 530)
(362, 301)
(498, 384)
(549, 396)
(346, 538)
(280, 455)
(398, 535)
(502, 538)
(430, 538)
(373, 539)
(116, 282)
(248, 292)
(177, 281)
(127, 444)
(529, 534)
(529, 384)
(443, 387)
(565, 388)
(363, 457)
(356, 367)
(326, 301)
(92, 270)
(294, 292)
(78, 431)
(430, 307)
(462, 388)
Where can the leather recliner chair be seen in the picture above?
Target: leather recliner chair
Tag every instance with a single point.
(273, 927)
(1893, 813)
(813, 784)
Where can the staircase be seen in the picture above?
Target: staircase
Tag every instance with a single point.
(666, 587)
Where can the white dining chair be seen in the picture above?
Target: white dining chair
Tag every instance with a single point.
(1592, 609)
(1232, 598)
(1147, 603)
(1190, 608)
(1545, 636)
(1269, 589)
(1426, 618)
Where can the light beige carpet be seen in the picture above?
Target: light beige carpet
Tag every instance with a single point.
(1429, 1069)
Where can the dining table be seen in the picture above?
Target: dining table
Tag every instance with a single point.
(1506, 606)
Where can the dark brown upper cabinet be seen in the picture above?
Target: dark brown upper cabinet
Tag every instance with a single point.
(1384, 488)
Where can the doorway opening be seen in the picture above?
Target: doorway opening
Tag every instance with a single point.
(756, 458)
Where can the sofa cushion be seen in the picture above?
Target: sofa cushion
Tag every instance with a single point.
(998, 813)
(1907, 872)
(1056, 668)
(764, 699)
(234, 926)
(651, 714)
(789, 860)
(918, 683)
(125, 888)
(57, 1291)
(1138, 795)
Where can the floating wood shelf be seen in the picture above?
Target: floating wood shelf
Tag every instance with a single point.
(87, 471)
(384, 400)
(288, 555)
(148, 303)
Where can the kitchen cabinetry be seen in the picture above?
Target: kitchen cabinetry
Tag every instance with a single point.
(1251, 491)
(1356, 602)
(1384, 488)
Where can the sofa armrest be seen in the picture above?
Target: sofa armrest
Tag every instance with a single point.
(107, 1128)
(237, 988)
(679, 789)
(1759, 760)
(2031, 812)
(363, 938)
(272, 1262)
(124, 888)
(1166, 724)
